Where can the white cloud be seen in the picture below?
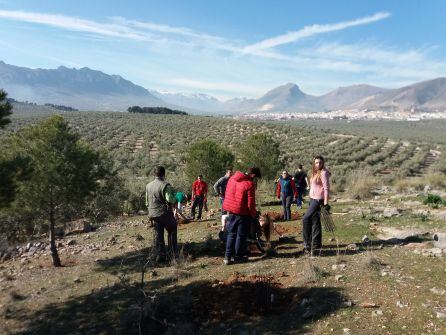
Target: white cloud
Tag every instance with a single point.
(123, 28)
(73, 23)
(314, 29)
(198, 53)
(380, 60)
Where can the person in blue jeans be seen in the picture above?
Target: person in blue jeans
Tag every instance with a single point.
(240, 202)
(286, 191)
(302, 185)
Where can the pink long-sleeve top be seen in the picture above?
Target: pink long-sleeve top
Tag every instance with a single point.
(320, 187)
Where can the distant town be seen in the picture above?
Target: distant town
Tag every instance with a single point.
(352, 114)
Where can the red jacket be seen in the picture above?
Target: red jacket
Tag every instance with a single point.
(199, 188)
(292, 188)
(240, 195)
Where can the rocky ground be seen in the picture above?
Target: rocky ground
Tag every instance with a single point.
(380, 272)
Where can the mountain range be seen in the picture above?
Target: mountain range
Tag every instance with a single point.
(88, 89)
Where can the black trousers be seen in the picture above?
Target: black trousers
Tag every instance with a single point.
(312, 228)
(198, 201)
(167, 222)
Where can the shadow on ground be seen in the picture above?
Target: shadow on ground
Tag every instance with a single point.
(133, 261)
(195, 308)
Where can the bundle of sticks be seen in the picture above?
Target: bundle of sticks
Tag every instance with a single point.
(327, 221)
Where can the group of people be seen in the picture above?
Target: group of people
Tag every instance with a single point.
(237, 195)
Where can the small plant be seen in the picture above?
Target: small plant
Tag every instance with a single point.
(311, 272)
(423, 217)
(180, 266)
(372, 218)
(434, 200)
(372, 262)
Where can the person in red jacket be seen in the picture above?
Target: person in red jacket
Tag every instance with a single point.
(286, 191)
(199, 193)
(240, 202)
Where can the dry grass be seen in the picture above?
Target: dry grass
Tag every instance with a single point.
(432, 179)
(180, 266)
(361, 184)
(435, 179)
(372, 262)
(406, 184)
(311, 273)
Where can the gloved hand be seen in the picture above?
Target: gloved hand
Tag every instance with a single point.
(327, 207)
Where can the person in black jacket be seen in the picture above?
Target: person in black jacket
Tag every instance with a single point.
(220, 187)
(301, 182)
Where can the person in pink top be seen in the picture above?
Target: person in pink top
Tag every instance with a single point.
(319, 193)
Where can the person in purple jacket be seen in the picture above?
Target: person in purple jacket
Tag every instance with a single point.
(319, 192)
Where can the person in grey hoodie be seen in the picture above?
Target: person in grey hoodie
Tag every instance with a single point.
(220, 187)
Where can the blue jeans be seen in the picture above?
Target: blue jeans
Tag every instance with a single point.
(238, 229)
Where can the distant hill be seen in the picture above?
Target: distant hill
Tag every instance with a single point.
(345, 96)
(285, 98)
(427, 95)
(87, 89)
(83, 88)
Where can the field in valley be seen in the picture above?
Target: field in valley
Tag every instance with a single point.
(393, 284)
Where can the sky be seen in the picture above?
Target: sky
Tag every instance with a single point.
(232, 48)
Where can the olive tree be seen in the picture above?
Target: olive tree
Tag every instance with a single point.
(12, 167)
(5, 109)
(209, 159)
(262, 151)
(66, 172)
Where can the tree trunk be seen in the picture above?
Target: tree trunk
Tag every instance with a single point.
(53, 247)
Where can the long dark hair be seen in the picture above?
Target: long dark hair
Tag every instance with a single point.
(315, 172)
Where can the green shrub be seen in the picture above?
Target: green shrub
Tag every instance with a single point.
(209, 159)
(433, 199)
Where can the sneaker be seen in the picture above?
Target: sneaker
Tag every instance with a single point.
(227, 261)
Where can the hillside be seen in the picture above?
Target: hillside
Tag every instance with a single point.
(83, 88)
(348, 288)
(428, 95)
(395, 282)
(345, 96)
(286, 98)
(87, 89)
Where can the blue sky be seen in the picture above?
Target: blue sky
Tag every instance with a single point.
(232, 48)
